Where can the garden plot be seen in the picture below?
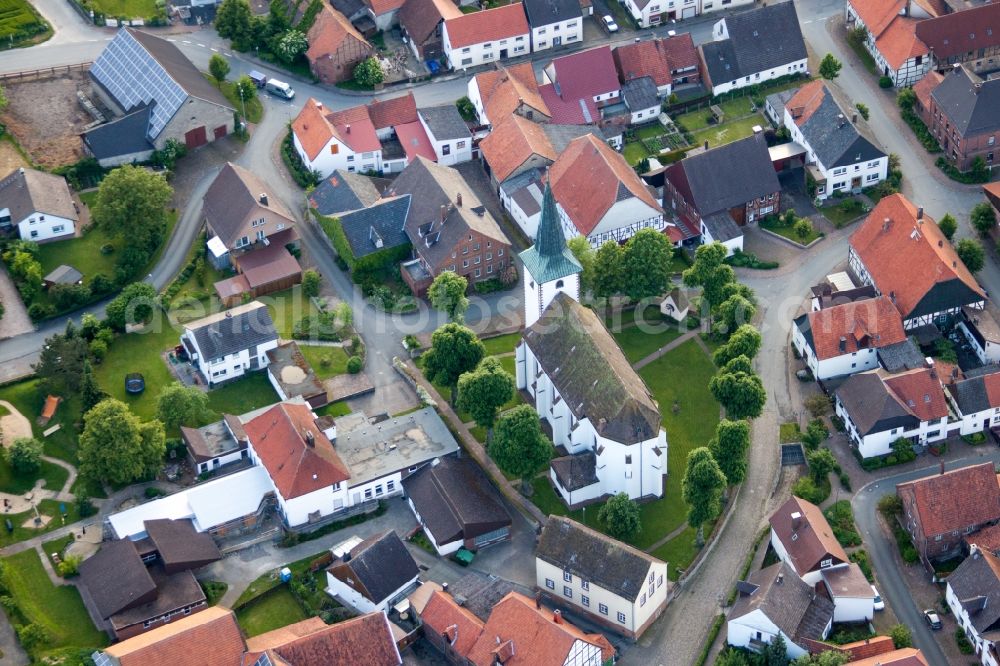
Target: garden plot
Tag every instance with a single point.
(46, 119)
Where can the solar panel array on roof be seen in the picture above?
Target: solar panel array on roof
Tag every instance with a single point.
(132, 76)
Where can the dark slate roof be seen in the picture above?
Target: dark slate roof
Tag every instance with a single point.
(872, 406)
(590, 372)
(180, 545)
(455, 500)
(971, 395)
(792, 604)
(901, 356)
(561, 135)
(173, 591)
(759, 39)
(116, 578)
(727, 176)
(544, 12)
(385, 222)
(63, 274)
(576, 471)
(479, 593)
(348, 7)
(976, 583)
(594, 557)
(722, 226)
(779, 99)
(971, 110)
(549, 259)
(231, 331)
(836, 142)
(640, 93)
(445, 122)
(382, 564)
(122, 136)
(343, 191)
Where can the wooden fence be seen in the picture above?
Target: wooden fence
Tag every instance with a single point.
(45, 72)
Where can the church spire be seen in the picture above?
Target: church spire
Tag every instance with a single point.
(549, 241)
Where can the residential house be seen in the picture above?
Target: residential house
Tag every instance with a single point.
(377, 228)
(968, 37)
(668, 61)
(457, 506)
(976, 401)
(585, 80)
(145, 81)
(373, 575)
(335, 46)
(449, 135)
(518, 632)
(879, 408)
(345, 191)
(775, 601)
(676, 304)
(368, 639)
(216, 444)
(891, 37)
(851, 593)
(39, 204)
(358, 139)
(553, 23)
(384, 13)
(486, 36)
(963, 113)
(982, 330)
(598, 195)
(449, 227)
(263, 271)
(651, 13)
(641, 101)
(940, 510)
(421, 22)
(901, 657)
(839, 158)
(616, 586)
(130, 587)
(753, 47)
(716, 192)
(844, 339)
(506, 91)
(902, 253)
(226, 345)
(973, 595)
(208, 638)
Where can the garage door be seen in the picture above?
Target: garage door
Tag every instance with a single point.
(196, 137)
(687, 12)
(220, 132)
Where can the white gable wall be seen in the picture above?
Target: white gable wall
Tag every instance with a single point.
(484, 52)
(619, 223)
(961, 616)
(40, 227)
(556, 34)
(338, 588)
(757, 626)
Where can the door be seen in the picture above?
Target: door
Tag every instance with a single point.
(503, 53)
(196, 137)
(856, 183)
(220, 132)
(556, 41)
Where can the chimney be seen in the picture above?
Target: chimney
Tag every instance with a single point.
(310, 438)
(557, 616)
(538, 601)
(346, 557)
(885, 224)
(976, 88)
(940, 243)
(458, 199)
(347, 128)
(781, 579)
(840, 120)
(262, 198)
(920, 213)
(444, 213)
(444, 587)
(843, 344)
(796, 520)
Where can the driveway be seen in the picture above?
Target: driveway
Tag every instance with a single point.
(15, 319)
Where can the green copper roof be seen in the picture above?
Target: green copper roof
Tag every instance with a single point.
(549, 259)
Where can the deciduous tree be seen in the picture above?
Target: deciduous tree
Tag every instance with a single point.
(821, 463)
(948, 225)
(585, 254)
(729, 448)
(134, 305)
(25, 455)
(983, 219)
(742, 394)
(454, 350)
(234, 21)
(519, 446)
(218, 67)
(971, 253)
(368, 73)
(179, 405)
(609, 270)
(311, 283)
(484, 391)
(91, 392)
(132, 203)
(745, 341)
(702, 489)
(732, 314)
(291, 45)
(647, 264)
(620, 516)
(830, 67)
(447, 294)
(115, 446)
(710, 273)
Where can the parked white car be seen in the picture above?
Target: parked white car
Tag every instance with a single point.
(610, 24)
(879, 603)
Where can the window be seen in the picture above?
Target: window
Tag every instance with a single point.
(549, 583)
(489, 269)
(519, 49)
(452, 268)
(839, 171)
(567, 591)
(475, 248)
(334, 149)
(992, 140)
(585, 600)
(466, 62)
(567, 576)
(651, 576)
(350, 158)
(467, 49)
(642, 599)
(460, 145)
(659, 582)
(585, 585)
(257, 223)
(478, 260)
(826, 563)
(652, 589)
(489, 256)
(872, 176)
(465, 263)
(621, 617)
(58, 229)
(368, 493)
(500, 252)
(503, 42)
(541, 31)
(446, 149)
(603, 609)
(465, 250)
(519, 39)
(478, 272)
(488, 45)
(378, 489)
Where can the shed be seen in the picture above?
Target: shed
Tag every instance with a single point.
(64, 274)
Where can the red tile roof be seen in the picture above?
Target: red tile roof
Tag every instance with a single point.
(527, 636)
(569, 111)
(394, 111)
(681, 51)
(280, 436)
(512, 143)
(312, 128)
(415, 141)
(805, 101)
(895, 36)
(925, 86)
(869, 647)
(380, 7)
(585, 73)
(444, 617)
(355, 128)
(955, 500)
(992, 192)
(987, 538)
(907, 259)
(208, 638)
(877, 14)
(812, 541)
(504, 89)
(920, 391)
(329, 33)
(902, 657)
(962, 32)
(487, 26)
(364, 640)
(646, 58)
(871, 323)
(589, 178)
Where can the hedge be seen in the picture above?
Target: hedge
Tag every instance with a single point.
(923, 134)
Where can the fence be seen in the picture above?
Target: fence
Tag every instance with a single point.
(45, 72)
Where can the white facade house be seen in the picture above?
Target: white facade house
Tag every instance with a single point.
(553, 23)
(892, 38)
(982, 330)
(616, 586)
(650, 13)
(851, 593)
(229, 344)
(975, 402)
(486, 36)
(38, 204)
(373, 574)
(325, 145)
(447, 132)
(973, 595)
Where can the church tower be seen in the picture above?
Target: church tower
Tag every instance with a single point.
(549, 266)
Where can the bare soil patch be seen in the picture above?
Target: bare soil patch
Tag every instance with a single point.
(10, 158)
(46, 118)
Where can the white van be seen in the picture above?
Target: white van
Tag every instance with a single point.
(279, 89)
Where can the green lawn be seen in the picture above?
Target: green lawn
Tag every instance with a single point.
(46, 507)
(698, 120)
(254, 108)
(840, 217)
(503, 344)
(286, 308)
(680, 551)
(728, 132)
(272, 610)
(139, 352)
(334, 409)
(16, 484)
(634, 152)
(57, 545)
(20, 23)
(57, 609)
(651, 131)
(125, 8)
(774, 225)
(252, 392)
(335, 359)
(638, 343)
(790, 433)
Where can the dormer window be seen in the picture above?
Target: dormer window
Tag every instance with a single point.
(827, 563)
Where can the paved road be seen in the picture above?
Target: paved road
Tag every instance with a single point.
(882, 549)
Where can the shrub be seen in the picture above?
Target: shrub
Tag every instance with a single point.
(69, 566)
(841, 520)
(152, 492)
(310, 283)
(107, 248)
(466, 109)
(40, 311)
(98, 349)
(818, 405)
(25, 455)
(354, 365)
(964, 646)
(411, 342)
(845, 481)
(901, 636)
(807, 489)
(860, 557)
(890, 506)
(884, 82)
(101, 284)
(31, 635)
(302, 175)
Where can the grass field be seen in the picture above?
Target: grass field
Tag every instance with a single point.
(503, 344)
(252, 392)
(698, 120)
(680, 551)
(46, 507)
(124, 8)
(639, 342)
(775, 226)
(335, 357)
(19, 22)
(271, 610)
(728, 132)
(254, 107)
(58, 610)
(17, 484)
(634, 152)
